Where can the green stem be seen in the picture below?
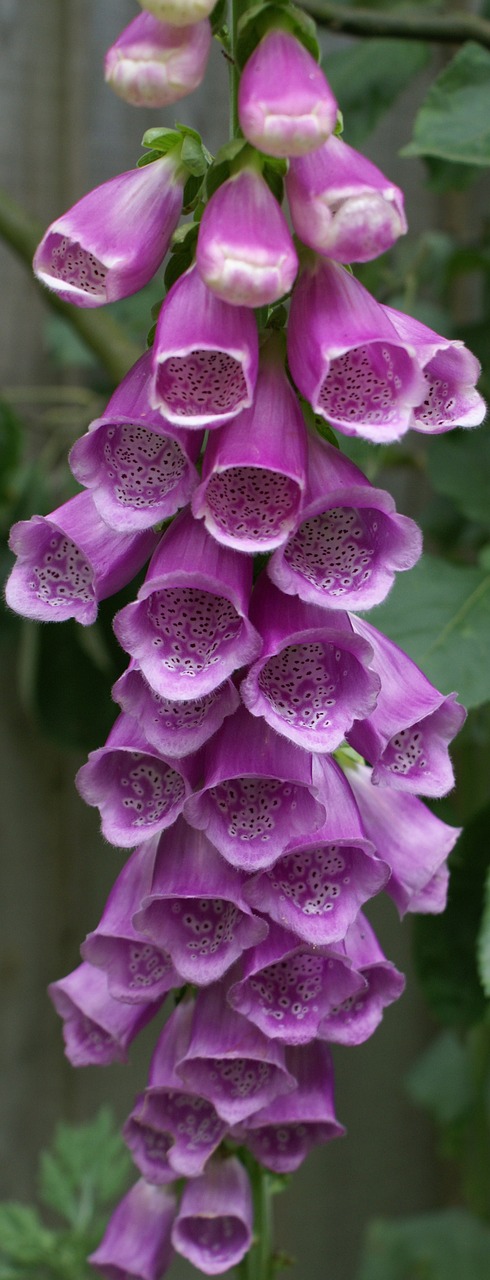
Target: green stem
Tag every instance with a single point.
(99, 332)
(259, 1262)
(452, 28)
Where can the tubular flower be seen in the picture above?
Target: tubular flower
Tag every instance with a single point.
(312, 679)
(450, 371)
(171, 1132)
(97, 1029)
(281, 1134)
(136, 971)
(342, 205)
(196, 907)
(347, 358)
(258, 792)
(174, 728)
(189, 628)
(153, 64)
(350, 540)
(285, 105)
(410, 838)
(317, 887)
(356, 1018)
(406, 737)
(112, 241)
(254, 469)
(137, 1241)
(137, 792)
(205, 356)
(69, 560)
(138, 467)
(245, 252)
(213, 1227)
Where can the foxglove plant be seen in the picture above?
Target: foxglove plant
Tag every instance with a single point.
(254, 850)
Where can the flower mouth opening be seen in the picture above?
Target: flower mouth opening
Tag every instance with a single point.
(75, 267)
(364, 385)
(252, 504)
(201, 383)
(336, 549)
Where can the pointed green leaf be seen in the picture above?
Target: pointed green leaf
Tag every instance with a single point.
(23, 1237)
(454, 120)
(86, 1168)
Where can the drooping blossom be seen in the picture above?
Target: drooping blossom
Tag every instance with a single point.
(281, 1134)
(407, 734)
(254, 468)
(318, 885)
(350, 540)
(356, 1018)
(172, 1131)
(347, 358)
(285, 105)
(153, 63)
(69, 560)
(137, 1241)
(174, 728)
(112, 241)
(137, 791)
(205, 356)
(342, 205)
(196, 908)
(245, 252)
(230, 1061)
(312, 679)
(287, 988)
(450, 398)
(97, 1029)
(258, 792)
(136, 971)
(213, 1226)
(410, 838)
(189, 627)
(139, 468)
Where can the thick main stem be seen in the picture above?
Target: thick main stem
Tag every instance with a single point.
(259, 1264)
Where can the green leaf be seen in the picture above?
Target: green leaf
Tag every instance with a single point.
(193, 156)
(441, 1080)
(444, 946)
(368, 77)
(459, 467)
(23, 1237)
(87, 1168)
(483, 941)
(161, 139)
(440, 615)
(448, 1245)
(454, 120)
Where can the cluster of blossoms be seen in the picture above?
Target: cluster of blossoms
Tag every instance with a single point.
(254, 846)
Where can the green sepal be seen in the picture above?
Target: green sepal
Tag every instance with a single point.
(148, 158)
(161, 140)
(256, 22)
(217, 18)
(221, 167)
(315, 422)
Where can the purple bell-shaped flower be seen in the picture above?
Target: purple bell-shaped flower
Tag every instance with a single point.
(153, 63)
(285, 105)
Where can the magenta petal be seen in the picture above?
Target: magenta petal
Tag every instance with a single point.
(174, 728)
(136, 971)
(136, 1244)
(356, 1018)
(189, 628)
(342, 205)
(281, 1134)
(317, 887)
(406, 737)
(69, 560)
(253, 477)
(285, 105)
(259, 792)
(230, 1061)
(245, 252)
(195, 907)
(312, 680)
(139, 468)
(113, 240)
(97, 1030)
(347, 358)
(137, 791)
(153, 64)
(350, 540)
(410, 838)
(450, 398)
(205, 356)
(213, 1227)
